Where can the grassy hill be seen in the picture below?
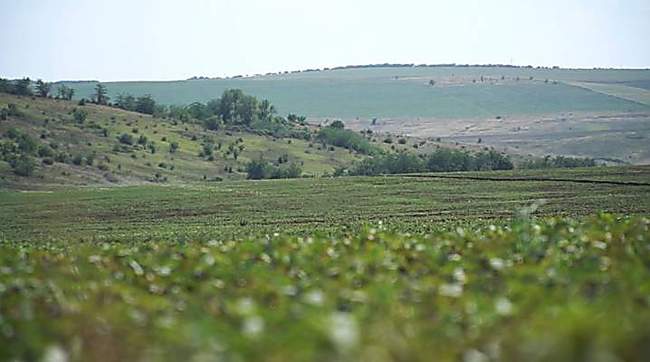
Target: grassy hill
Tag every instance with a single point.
(404, 92)
(51, 122)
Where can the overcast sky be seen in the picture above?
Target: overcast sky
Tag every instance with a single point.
(164, 39)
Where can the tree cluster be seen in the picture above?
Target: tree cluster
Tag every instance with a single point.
(559, 162)
(261, 169)
(336, 135)
(441, 160)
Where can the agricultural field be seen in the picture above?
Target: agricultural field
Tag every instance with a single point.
(470, 267)
(405, 92)
(329, 205)
(598, 113)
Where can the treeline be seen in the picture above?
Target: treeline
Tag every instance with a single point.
(558, 162)
(441, 160)
(26, 87)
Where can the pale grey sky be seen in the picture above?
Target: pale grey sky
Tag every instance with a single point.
(164, 39)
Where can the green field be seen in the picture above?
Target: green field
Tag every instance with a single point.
(233, 209)
(382, 269)
(405, 93)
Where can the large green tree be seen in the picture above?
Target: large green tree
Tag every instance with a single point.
(101, 94)
(43, 88)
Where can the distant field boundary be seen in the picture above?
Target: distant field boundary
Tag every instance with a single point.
(525, 178)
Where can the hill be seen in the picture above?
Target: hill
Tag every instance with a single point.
(92, 149)
(406, 92)
(598, 113)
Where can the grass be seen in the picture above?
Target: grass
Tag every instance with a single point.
(405, 93)
(556, 290)
(52, 118)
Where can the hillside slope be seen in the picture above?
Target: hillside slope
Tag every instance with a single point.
(89, 151)
(406, 92)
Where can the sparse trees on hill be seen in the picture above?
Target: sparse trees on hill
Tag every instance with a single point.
(64, 92)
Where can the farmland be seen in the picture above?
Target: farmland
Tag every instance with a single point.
(416, 204)
(353, 268)
(405, 92)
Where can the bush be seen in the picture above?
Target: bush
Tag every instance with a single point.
(79, 115)
(126, 139)
(173, 147)
(345, 138)
(24, 166)
(260, 169)
(45, 151)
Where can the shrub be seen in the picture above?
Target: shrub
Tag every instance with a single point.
(45, 151)
(24, 166)
(173, 147)
(345, 138)
(79, 115)
(126, 139)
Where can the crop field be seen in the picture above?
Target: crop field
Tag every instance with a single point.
(405, 92)
(534, 289)
(303, 206)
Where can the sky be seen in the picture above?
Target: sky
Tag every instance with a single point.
(165, 40)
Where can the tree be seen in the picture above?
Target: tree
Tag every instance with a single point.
(337, 124)
(266, 111)
(235, 107)
(64, 92)
(5, 86)
(43, 88)
(145, 104)
(257, 169)
(23, 87)
(100, 96)
(125, 101)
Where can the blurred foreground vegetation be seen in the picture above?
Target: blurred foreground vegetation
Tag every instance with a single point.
(549, 290)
